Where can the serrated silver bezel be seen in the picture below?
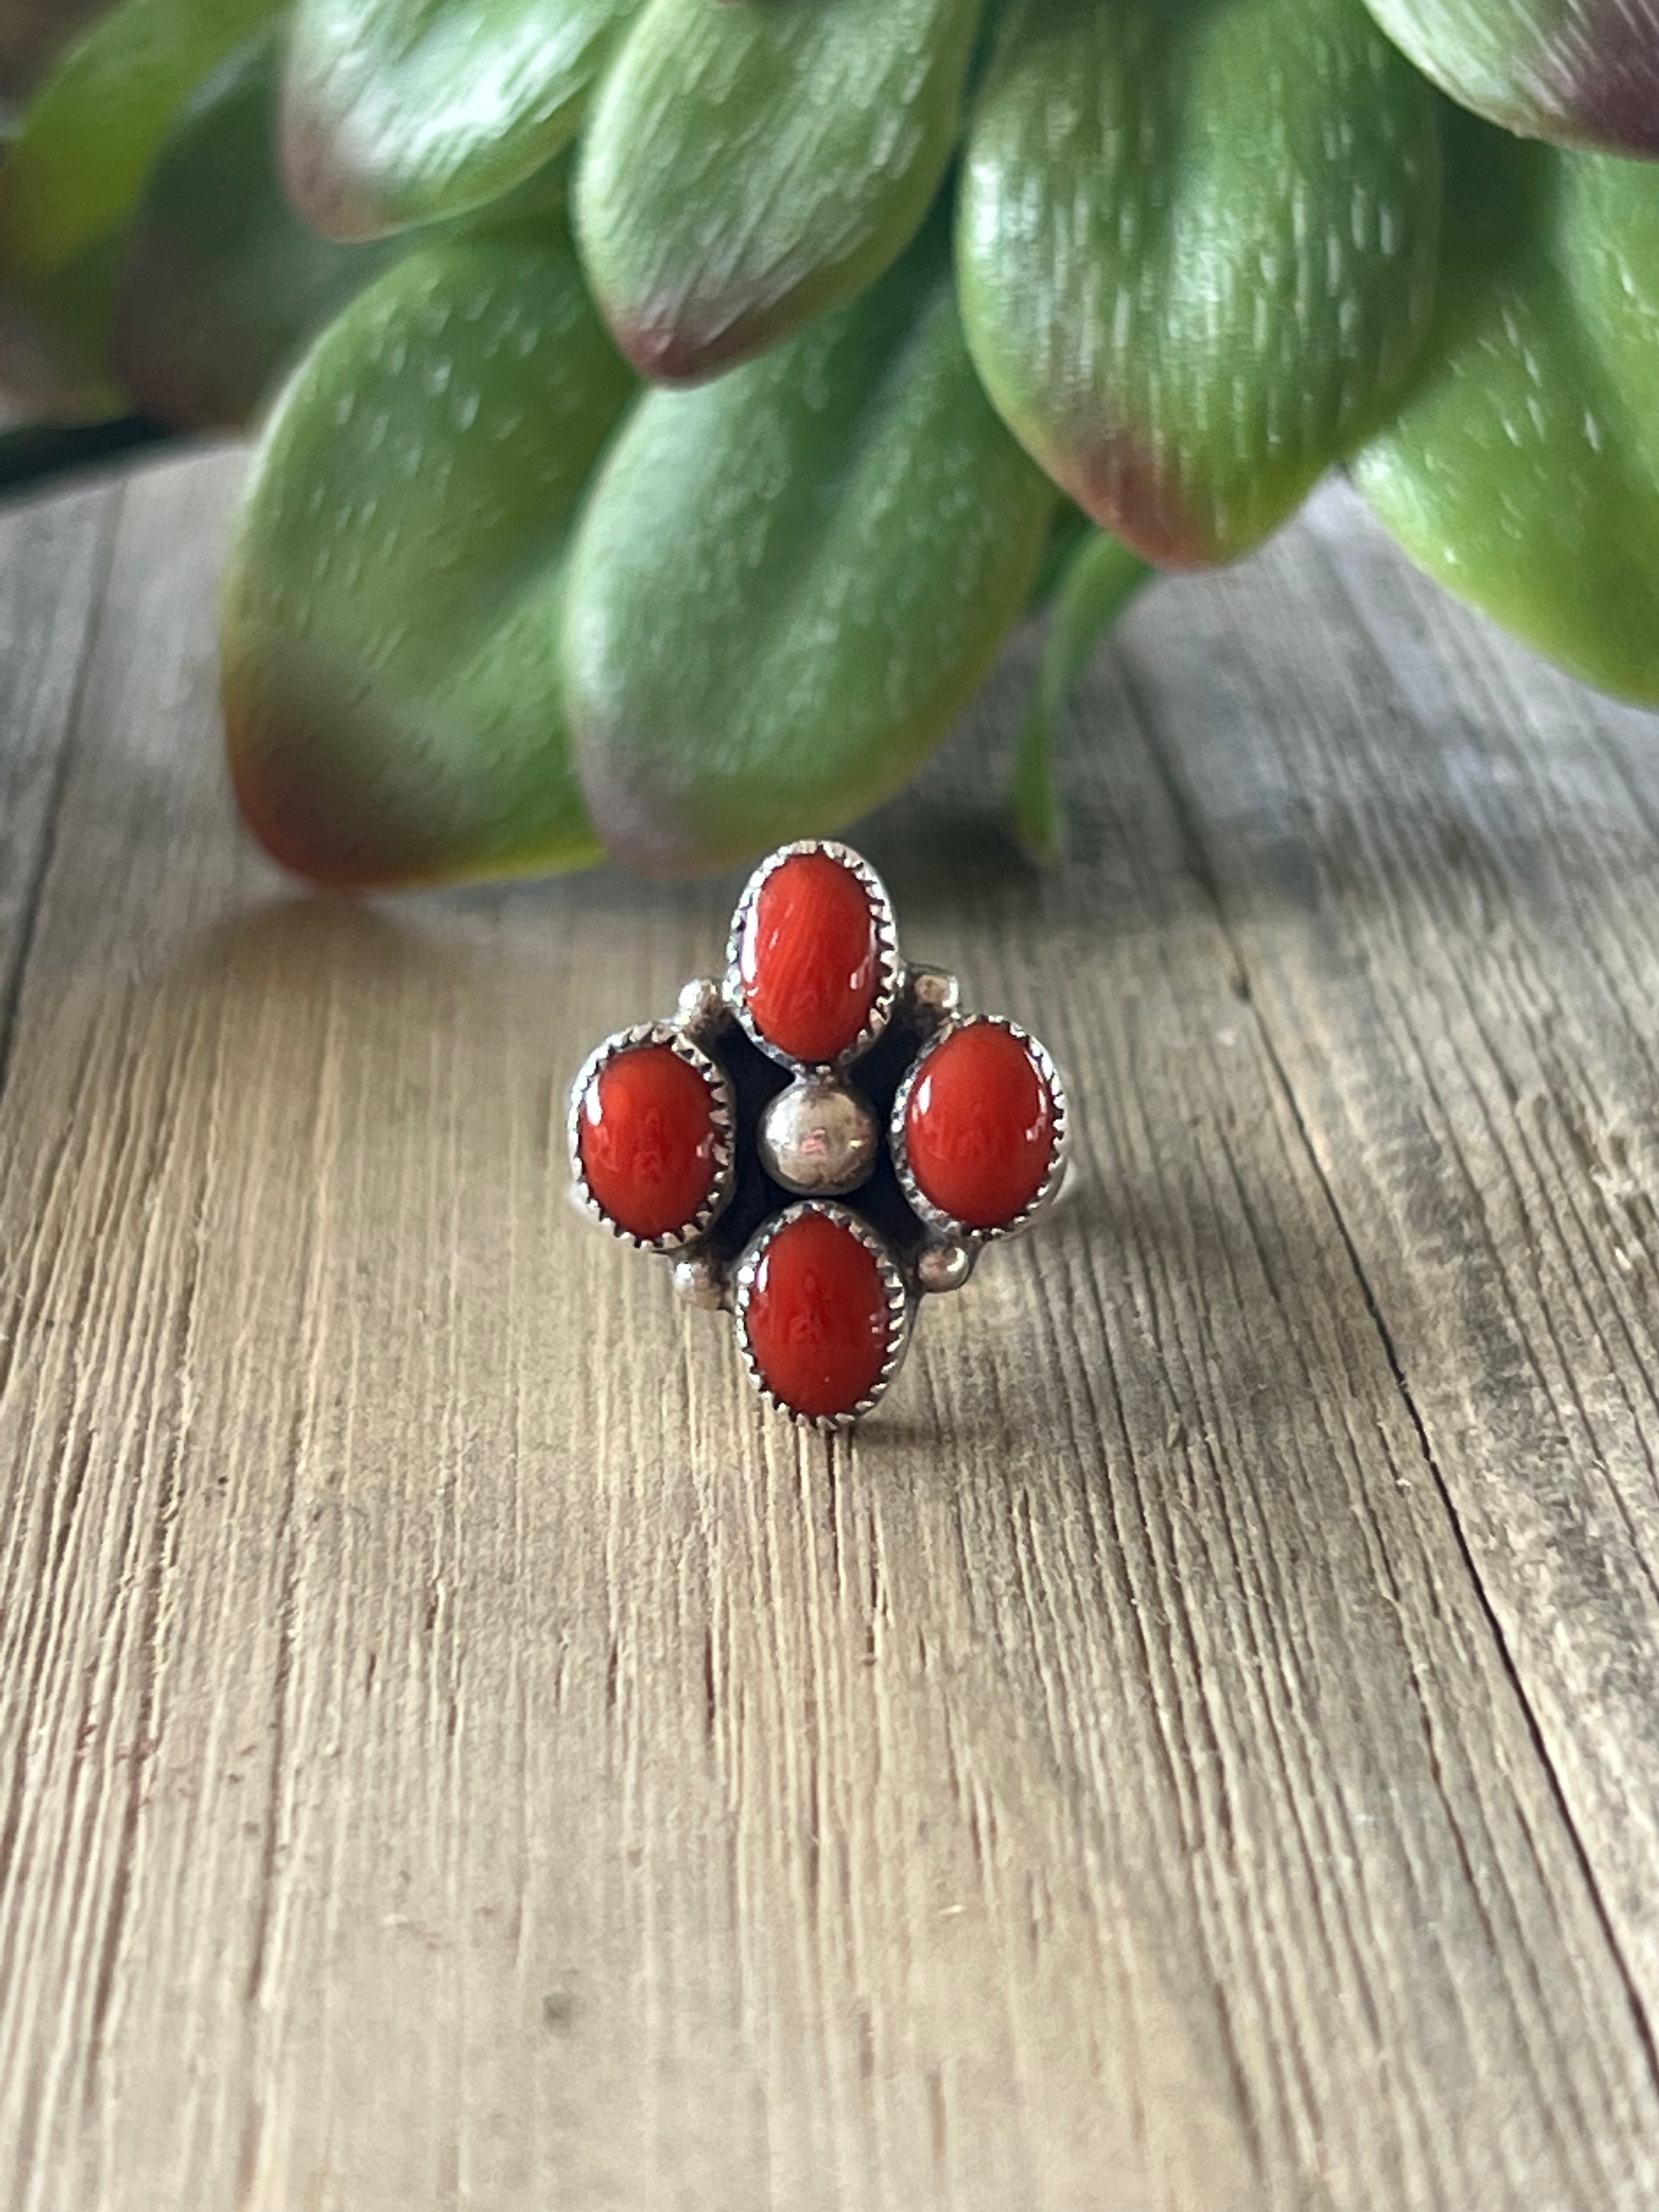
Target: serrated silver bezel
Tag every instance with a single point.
(890, 974)
(723, 1114)
(900, 1312)
(934, 1216)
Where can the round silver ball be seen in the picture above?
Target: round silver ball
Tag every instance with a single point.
(703, 1011)
(934, 996)
(945, 1266)
(819, 1138)
(699, 1282)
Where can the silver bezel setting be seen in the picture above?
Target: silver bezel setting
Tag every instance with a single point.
(890, 974)
(722, 1115)
(920, 1203)
(899, 1312)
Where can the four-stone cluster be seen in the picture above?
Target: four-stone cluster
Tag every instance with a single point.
(819, 1138)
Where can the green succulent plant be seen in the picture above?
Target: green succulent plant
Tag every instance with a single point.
(666, 408)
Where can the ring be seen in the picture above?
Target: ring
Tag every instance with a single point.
(819, 1139)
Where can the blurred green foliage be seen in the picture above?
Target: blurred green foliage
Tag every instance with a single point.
(950, 306)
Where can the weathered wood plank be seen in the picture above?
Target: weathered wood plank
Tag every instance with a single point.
(1436, 857)
(53, 555)
(459, 1754)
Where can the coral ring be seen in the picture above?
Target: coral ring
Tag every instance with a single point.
(821, 1137)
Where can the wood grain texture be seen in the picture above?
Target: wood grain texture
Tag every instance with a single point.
(1436, 859)
(1190, 1753)
(53, 560)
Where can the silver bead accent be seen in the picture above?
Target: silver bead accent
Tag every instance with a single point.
(702, 1011)
(819, 1138)
(945, 1266)
(931, 997)
(698, 1282)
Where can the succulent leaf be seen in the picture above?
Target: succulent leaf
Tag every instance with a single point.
(223, 284)
(70, 179)
(747, 167)
(1583, 72)
(787, 584)
(1522, 470)
(1197, 249)
(32, 33)
(398, 112)
(390, 655)
(74, 171)
(54, 339)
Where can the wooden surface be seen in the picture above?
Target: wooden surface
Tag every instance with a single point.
(1197, 1750)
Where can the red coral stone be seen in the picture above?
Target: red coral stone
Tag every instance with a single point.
(645, 1134)
(809, 959)
(817, 1320)
(979, 1129)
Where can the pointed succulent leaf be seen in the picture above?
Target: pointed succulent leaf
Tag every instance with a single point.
(32, 34)
(73, 173)
(1097, 581)
(54, 339)
(1522, 470)
(69, 180)
(1583, 72)
(1197, 248)
(398, 112)
(223, 284)
(391, 669)
(788, 585)
(746, 168)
